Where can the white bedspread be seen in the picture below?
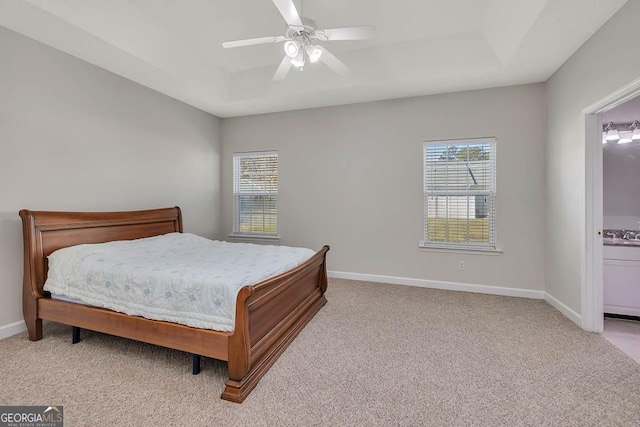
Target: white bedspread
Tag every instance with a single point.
(179, 278)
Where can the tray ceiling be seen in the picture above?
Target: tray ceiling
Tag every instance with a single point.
(423, 46)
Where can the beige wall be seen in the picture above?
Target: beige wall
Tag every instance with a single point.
(351, 177)
(580, 82)
(75, 137)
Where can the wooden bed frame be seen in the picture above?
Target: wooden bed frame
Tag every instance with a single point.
(269, 315)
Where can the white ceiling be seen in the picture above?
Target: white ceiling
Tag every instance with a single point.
(423, 46)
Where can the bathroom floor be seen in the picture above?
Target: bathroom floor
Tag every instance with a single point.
(624, 334)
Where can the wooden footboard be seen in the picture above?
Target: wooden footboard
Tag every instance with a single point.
(269, 315)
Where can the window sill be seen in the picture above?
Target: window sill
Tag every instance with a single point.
(253, 237)
(460, 250)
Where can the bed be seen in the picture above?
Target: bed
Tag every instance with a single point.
(268, 315)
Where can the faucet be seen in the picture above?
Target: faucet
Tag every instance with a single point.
(628, 234)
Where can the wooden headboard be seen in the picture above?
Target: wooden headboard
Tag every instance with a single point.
(44, 232)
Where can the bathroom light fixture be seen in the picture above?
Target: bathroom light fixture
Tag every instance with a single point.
(635, 127)
(612, 133)
(625, 138)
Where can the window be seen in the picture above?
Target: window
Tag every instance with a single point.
(255, 193)
(460, 194)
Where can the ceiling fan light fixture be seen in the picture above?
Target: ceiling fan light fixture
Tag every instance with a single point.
(292, 48)
(314, 53)
(298, 61)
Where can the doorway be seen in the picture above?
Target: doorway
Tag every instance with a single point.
(621, 234)
(592, 309)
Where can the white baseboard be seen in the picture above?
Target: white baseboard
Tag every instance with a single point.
(570, 314)
(433, 284)
(463, 287)
(12, 329)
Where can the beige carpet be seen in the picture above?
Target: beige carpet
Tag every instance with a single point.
(374, 355)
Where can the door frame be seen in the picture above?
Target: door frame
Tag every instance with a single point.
(592, 289)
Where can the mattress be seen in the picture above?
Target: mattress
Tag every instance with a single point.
(177, 277)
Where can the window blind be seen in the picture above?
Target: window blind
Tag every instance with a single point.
(255, 193)
(460, 193)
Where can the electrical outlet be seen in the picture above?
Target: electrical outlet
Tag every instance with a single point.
(461, 265)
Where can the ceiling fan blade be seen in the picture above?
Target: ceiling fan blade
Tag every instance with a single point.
(283, 69)
(249, 42)
(289, 13)
(334, 63)
(365, 32)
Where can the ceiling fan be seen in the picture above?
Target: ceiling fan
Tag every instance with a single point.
(300, 38)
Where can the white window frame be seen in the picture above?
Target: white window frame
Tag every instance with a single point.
(491, 246)
(237, 157)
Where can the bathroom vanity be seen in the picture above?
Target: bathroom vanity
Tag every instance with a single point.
(621, 273)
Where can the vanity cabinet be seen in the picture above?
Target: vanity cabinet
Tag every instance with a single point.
(621, 274)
